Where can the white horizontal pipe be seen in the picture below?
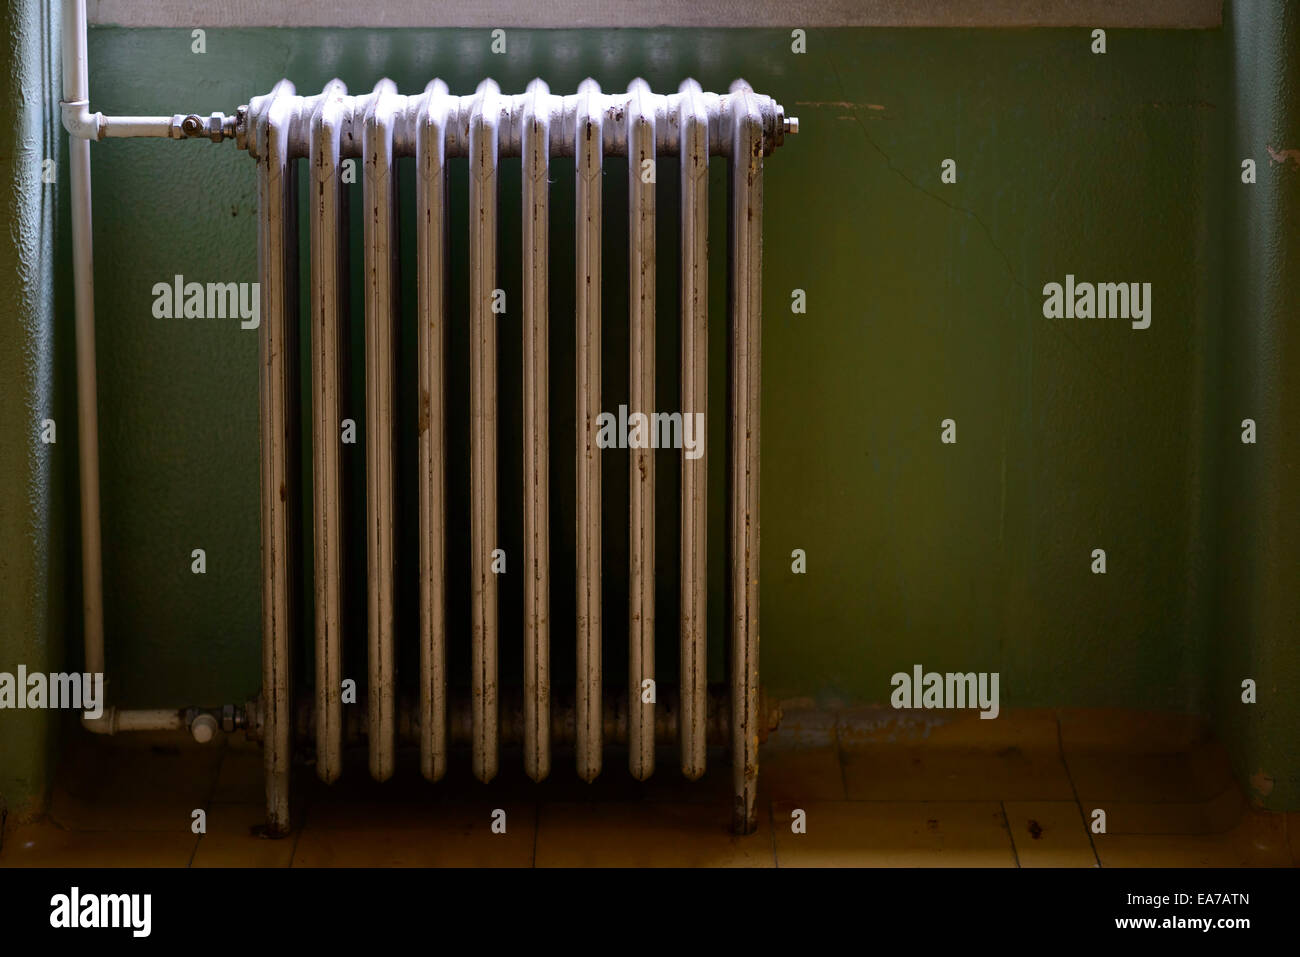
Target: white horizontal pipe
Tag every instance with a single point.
(115, 720)
(124, 126)
(78, 120)
(85, 125)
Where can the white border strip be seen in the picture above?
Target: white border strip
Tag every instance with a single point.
(565, 14)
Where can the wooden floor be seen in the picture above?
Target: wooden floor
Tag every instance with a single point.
(874, 788)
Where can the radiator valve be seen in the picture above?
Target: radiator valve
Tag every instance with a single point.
(203, 727)
(216, 127)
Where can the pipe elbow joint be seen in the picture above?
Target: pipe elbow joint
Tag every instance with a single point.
(80, 122)
(105, 723)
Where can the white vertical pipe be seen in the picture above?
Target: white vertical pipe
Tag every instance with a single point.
(76, 89)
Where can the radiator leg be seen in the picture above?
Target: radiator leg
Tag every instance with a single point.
(640, 120)
(745, 293)
(536, 426)
(693, 126)
(483, 152)
(589, 712)
(431, 199)
(277, 218)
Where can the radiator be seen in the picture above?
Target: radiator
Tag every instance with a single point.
(433, 128)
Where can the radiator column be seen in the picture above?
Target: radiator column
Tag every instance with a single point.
(589, 135)
(484, 126)
(693, 127)
(383, 317)
(536, 427)
(639, 117)
(431, 190)
(277, 219)
(329, 297)
(745, 295)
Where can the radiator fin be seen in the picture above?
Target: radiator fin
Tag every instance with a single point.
(277, 219)
(589, 122)
(746, 288)
(640, 119)
(431, 203)
(329, 297)
(693, 122)
(483, 142)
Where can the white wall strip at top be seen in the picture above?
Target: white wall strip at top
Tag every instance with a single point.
(563, 14)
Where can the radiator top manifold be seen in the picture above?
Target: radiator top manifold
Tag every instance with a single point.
(563, 114)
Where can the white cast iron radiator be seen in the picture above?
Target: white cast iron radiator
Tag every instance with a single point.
(280, 129)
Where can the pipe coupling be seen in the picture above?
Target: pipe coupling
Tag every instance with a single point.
(79, 121)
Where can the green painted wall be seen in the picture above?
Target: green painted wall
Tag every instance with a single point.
(924, 303)
(37, 502)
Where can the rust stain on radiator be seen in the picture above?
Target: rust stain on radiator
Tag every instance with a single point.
(1285, 157)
